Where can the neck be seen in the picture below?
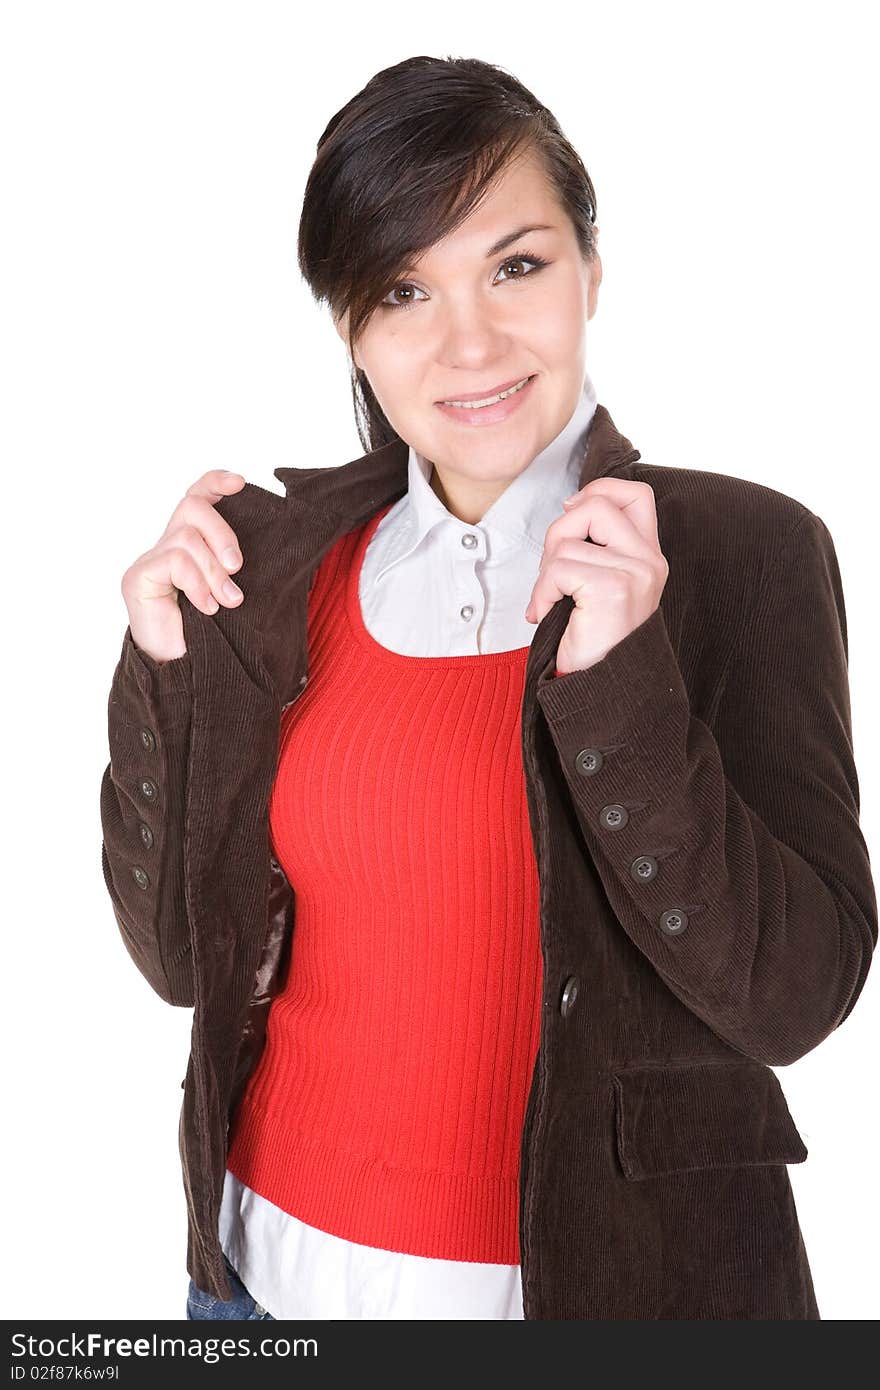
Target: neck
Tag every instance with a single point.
(467, 501)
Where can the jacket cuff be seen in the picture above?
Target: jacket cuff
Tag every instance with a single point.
(164, 688)
(634, 683)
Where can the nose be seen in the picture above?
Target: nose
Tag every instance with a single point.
(471, 340)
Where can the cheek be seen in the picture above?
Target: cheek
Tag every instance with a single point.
(559, 327)
(392, 372)
(404, 400)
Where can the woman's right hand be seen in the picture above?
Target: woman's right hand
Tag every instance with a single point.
(191, 555)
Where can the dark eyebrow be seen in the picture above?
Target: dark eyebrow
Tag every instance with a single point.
(515, 236)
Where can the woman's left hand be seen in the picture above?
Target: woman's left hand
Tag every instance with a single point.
(616, 581)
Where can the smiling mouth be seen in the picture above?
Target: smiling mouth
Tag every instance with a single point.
(490, 400)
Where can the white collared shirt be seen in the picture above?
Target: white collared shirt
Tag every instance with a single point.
(430, 585)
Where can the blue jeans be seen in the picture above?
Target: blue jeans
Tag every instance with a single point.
(241, 1305)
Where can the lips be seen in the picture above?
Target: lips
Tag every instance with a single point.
(482, 395)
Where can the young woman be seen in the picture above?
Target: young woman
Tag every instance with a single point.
(501, 827)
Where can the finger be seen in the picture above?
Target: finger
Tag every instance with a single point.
(196, 509)
(164, 572)
(216, 483)
(599, 518)
(635, 499)
(608, 574)
(187, 554)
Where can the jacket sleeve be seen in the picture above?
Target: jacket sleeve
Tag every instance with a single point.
(143, 801)
(732, 856)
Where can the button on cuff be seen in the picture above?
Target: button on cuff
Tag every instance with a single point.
(644, 868)
(589, 761)
(674, 921)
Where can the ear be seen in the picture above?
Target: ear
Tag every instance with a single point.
(595, 273)
(341, 326)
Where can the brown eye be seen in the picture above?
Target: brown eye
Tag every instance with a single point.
(535, 261)
(400, 304)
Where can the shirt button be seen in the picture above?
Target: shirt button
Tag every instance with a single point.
(467, 612)
(469, 541)
(148, 740)
(673, 921)
(644, 868)
(149, 789)
(588, 761)
(146, 835)
(140, 876)
(613, 817)
(569, 995)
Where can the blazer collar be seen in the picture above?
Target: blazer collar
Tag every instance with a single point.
(288, 536)
(355, 491)
(340, 499)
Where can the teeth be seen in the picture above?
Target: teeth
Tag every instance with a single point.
(490, 400)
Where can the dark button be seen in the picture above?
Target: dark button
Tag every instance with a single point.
(569, 995)
(183, 1084)
(148, 740)
(644, 868)
(140, 876)
(613, 817)
(588, 761)
(146, 835)
(149, 789)
(673, 921)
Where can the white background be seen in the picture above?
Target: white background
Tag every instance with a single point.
(154, 325)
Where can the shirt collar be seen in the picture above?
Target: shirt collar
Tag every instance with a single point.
(522, 513)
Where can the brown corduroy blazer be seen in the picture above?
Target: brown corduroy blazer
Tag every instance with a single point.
(707, 904)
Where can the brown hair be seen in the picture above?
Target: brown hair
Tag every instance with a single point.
(400, 166)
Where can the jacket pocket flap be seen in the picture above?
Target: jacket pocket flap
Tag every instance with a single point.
(673, 1117)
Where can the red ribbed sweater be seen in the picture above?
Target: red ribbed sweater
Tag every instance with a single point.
(387, 1105)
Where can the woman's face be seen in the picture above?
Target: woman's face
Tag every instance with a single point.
(463, 319)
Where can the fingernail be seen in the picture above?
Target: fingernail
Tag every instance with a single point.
(231, 557)
(231, 590)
